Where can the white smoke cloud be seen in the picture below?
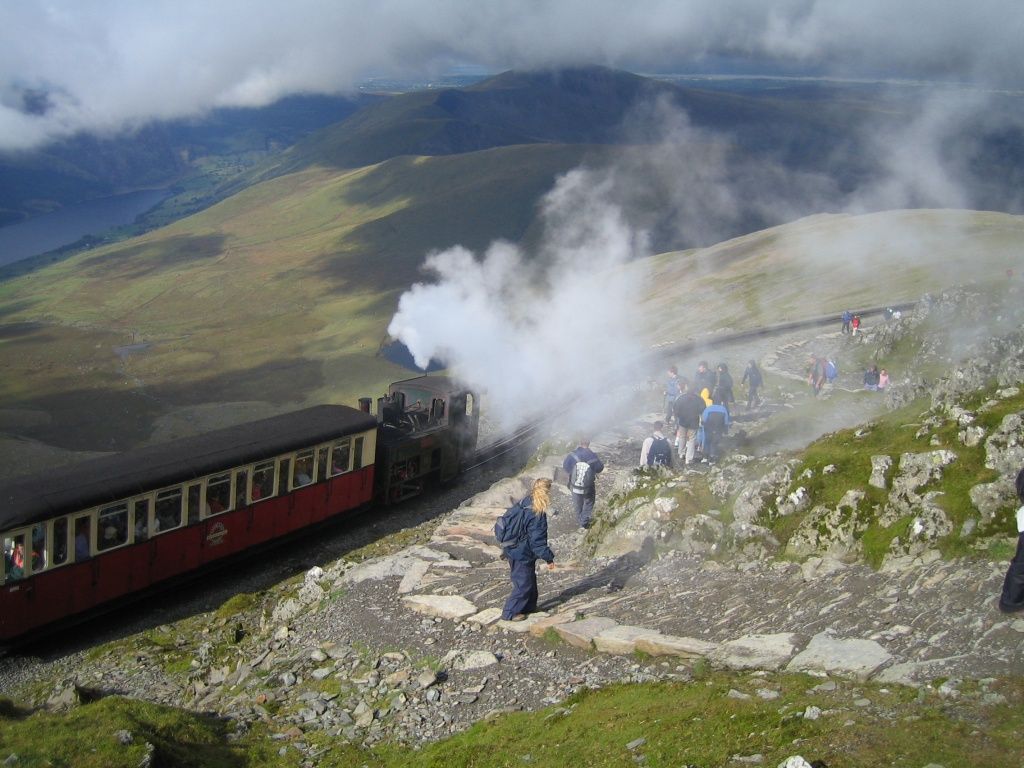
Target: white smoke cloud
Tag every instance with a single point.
(532, 332)
(112, 64)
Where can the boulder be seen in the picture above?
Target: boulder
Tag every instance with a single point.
(1004, 448)
(919, 469)
(411, 579)
(699, 534)
(770, 652)
(619, 639)
(486, 616)
(445, 606)
(582, 633)
(752, 499)
(657, 644)
(857, 657)
(990, 498)
(880, 466)
(834, 532)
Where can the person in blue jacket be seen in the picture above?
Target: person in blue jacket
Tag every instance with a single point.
(523, 557)
(714, 422)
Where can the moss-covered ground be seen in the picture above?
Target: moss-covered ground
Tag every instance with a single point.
(659, 724)
(848, 452)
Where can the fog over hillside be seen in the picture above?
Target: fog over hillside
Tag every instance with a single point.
(104, 66)
(566, 318)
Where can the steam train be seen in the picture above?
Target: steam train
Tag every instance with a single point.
(91, 534)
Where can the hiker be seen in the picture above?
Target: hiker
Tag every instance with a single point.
(831, 371)
(1012, 597)
(714, 423)
(816, 374)
(847, 317)
(704, 378)
(883, 379)
(722, 393)
(656, 450)
(688, 409)
(582, 466)
(671, 392)
(855, 324)
(753, 379)
(523, 557)
(872, 378)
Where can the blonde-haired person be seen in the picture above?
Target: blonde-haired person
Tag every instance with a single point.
(523, 556)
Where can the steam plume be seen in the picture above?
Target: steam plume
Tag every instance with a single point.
(531, 332)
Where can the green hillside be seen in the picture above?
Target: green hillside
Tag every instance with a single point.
(825, 263)
(588, 105)
(280, 294)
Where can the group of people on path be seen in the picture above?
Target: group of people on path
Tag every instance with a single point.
(698, 412)
(823, 370)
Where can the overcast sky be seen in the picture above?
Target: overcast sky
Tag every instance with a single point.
(67, 65)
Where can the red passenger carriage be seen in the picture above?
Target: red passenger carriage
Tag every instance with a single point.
(80, 536)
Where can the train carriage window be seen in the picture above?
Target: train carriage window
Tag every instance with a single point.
(14, 556)
(263, 477)
(112, 526)
(241, 487)
(140, 519)
(321, 462)
(285, 469)
(303, 469)
(357, 462)
(168, 510)
(40, 554)
(60, 541)
(341, 457)
(83, 537)
(218, 494)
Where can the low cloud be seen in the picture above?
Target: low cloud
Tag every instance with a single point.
(109, 65)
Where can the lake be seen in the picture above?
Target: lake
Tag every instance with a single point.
(62, 227)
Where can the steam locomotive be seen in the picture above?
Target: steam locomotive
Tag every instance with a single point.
(91, 534)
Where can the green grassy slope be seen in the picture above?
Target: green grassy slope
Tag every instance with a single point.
(280, 294)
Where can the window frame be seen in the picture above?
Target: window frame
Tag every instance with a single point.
(182, 489)
(205, 511)
(347, 439)
(26, 569)
(126, 503)
(260, 466)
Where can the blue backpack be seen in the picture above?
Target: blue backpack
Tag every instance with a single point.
(660, 453)
(511, 529)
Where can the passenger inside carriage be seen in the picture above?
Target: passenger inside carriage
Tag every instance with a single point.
(14, 558)
(82, 546)
(302, 474)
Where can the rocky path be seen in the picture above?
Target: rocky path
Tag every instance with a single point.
(910, 626)
(409, 646)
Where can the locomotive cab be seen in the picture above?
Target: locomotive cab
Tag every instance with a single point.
(428, 432)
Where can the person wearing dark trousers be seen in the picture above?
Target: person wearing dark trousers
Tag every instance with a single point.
(523, 557)
(1012, 598)
(753, 379)
(582, 466)
(715, 423)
